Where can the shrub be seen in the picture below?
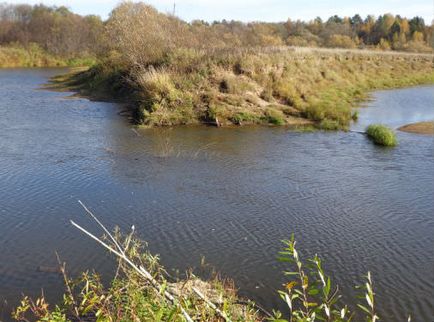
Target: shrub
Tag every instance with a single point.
(355, 116)
(274, 116)
(341, 41)
(142, 291)
(240, 117)
(381, 135)
(30, 56)
(286, 91)
(310, 295)
(314, 112)
(267, 94)
(234, 85)
(139, 292)
(329, 125)
(156, 85)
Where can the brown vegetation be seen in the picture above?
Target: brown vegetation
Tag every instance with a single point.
(55, 31)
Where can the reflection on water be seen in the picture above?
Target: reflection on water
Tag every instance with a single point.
(230, 195)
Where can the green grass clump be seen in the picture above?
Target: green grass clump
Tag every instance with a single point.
(329, 125)
(285, 90)
(381, 135)
(273, 116)
(355, 116)
(241, 117)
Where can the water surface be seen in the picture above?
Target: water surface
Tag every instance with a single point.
(230, 195)
(396, 108)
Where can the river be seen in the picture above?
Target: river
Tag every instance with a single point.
(228, 194)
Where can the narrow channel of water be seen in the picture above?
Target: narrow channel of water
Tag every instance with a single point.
(396, 108)
(230, 195)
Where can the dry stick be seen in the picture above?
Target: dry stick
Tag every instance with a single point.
(142, 271)
(211, 304)
(103, 227)
(135, 131)
(122, 251)
(127, 245)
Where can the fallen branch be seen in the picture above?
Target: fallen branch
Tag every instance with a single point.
(140, 270)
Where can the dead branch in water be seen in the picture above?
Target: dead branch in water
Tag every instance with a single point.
(139, 269)
(120, 252)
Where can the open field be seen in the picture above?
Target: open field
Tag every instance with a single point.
(366, 52)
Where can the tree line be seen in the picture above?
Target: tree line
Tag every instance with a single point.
(62, 32)
(55, 29)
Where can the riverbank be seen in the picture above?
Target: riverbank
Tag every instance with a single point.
(419, 128)
(34, 56)
(280, 86)
(141, 291)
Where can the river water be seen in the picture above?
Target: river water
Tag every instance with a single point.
(228, 194)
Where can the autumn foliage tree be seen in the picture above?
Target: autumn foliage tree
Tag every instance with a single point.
(55, 29)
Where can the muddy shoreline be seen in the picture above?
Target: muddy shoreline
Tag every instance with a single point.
(426, 128)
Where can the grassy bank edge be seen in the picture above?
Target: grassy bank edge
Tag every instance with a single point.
(141, 291)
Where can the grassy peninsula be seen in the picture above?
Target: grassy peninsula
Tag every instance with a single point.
(251, 86)
(172, 72)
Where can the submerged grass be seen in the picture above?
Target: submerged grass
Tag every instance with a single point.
(253, 86)
(381, 135)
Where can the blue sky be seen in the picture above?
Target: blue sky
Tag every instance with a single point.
(263, 10)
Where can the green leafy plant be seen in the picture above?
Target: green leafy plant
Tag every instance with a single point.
(310, 294)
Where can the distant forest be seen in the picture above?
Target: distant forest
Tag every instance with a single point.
(61, 32)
